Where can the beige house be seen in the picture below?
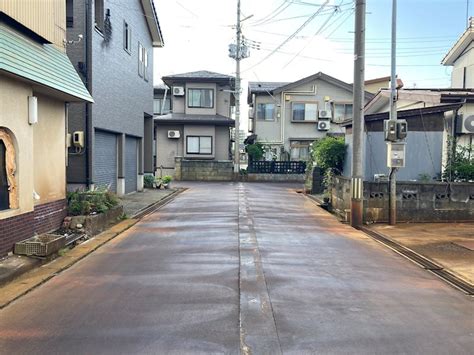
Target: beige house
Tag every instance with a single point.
(199, 127)
(287, 117)
(37, 80)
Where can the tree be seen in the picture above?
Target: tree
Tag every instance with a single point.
(460, 162)
(329, 153)
(255, 151)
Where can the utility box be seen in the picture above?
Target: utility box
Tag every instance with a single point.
(402, 129)
(390, 130)
(396, 154)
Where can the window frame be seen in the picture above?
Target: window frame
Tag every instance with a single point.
(345, 103)
(140, 60)
(297, 143)
(127, 37)
(69, 14)
(305, 103)
(145, 63)
(203, 107)
(193, 136)
(99, 25)
(264, 111)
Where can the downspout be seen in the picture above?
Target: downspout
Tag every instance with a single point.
(88, 77)
(164, 101)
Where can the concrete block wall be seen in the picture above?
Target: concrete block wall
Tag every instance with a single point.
(203, 170)
(416, 201)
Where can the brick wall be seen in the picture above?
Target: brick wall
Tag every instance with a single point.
(45, 218)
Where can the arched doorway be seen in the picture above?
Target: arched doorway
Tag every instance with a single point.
(4, 193)
(8, 185)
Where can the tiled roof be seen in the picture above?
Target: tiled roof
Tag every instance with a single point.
(40, 63)
(202, 74)
(264, 86)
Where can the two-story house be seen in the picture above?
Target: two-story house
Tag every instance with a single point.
(37, 81)
(199, 127)
(461, 58)
(111, 44)
(287, 117)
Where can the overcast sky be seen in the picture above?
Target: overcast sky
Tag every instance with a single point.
(197, 35)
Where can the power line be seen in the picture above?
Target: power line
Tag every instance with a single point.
(290, 37)
(311, 39)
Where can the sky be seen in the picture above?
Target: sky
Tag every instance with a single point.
(298, 38)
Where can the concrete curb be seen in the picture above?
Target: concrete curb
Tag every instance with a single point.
(30, 280)
(445, 274)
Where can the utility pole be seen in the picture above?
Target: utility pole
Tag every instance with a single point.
(357, 197)
(393, 115)
(237, 94)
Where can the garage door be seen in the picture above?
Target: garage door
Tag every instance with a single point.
(131, 166)
(105, 160)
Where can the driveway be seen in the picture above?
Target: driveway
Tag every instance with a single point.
(251, 268)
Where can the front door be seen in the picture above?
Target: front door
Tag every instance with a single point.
(4, 194)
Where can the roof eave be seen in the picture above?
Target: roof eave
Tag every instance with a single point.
(153, 23)
(458, 48)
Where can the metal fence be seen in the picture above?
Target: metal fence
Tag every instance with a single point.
(277, 167)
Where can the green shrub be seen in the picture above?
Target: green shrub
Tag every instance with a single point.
(460, 162)
(329, 153)
(166, 179)
(255, 151)
(148, 181)
(91, 201)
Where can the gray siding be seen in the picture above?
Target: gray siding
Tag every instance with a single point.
(121, 96)
(424, 152)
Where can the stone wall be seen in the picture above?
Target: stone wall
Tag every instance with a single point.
(203, 170)
(416, 201)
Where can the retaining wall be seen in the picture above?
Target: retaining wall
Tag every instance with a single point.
(416, 201)
(203, 170)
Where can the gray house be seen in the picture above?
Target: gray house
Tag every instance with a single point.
(199, 127)
(111, 46)
(287, 117)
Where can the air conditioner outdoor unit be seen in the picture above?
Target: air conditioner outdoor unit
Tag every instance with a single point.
(465, 124)
(173, 134)
(324, 125)
(178, 91)
(325, 114)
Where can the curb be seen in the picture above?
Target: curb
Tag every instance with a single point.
(158, 204)
(30, 280)
(422, 261)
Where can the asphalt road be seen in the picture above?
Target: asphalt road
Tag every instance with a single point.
(250, 268)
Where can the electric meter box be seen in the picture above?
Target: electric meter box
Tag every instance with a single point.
(396, 154)
(390, 130)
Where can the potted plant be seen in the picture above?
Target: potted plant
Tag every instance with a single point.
(166, 181)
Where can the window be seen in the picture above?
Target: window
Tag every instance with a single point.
(69, 14)
(157, 105)
(199, 145)
(4, 193)
(141, 65)
(142, 62)
(145, 64)
(201, 98)
(127, 37)
(342, 111)
(304, 112)
(266, 112)
(299, 150)
(99, 14)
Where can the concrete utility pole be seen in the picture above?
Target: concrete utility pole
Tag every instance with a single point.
(357, 189)
(237, 94)
(393, 114)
